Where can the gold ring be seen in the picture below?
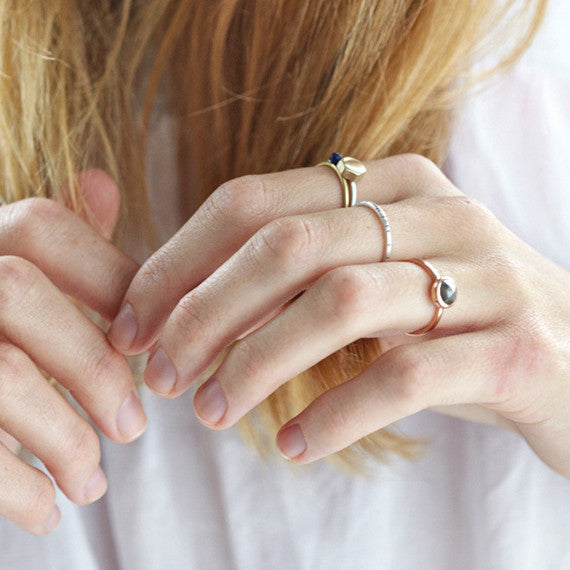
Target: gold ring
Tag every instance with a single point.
(348, 171)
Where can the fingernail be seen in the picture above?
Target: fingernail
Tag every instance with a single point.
(51, 522)
(160, 375)
(96, 487)
(124, 328)
(131, 420)
(291, 441)
(210, 402)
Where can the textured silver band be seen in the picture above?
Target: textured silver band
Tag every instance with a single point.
(385, 226)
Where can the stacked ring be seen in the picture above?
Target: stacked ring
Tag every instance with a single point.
(443, 293)
(385, 226)
(348, 170)
(442, 290)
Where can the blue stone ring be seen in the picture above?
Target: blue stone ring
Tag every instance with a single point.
(348, 171)
(442, 291)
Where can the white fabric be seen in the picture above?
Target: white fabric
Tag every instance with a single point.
(187, 497)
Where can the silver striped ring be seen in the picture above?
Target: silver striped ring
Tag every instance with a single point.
(385, 226)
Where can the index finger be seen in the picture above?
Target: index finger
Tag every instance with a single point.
(69, 251)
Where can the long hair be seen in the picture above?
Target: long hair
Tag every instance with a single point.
(254, 86)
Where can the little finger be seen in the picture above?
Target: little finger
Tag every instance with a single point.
(452, 370)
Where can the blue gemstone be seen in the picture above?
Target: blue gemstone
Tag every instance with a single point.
(335, 158)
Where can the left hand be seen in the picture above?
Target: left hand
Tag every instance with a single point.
(233, 273)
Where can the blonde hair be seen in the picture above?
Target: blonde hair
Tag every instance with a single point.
(255, 87)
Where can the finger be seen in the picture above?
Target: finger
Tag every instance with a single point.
(101, 200)
(10, 442)
(36, 415)
(232, 215)
(27, 496)
(60, 339)
(348, 303)
(69, 251)
(467, 368)
(276, 264)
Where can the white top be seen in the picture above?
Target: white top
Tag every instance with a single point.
(187, 497)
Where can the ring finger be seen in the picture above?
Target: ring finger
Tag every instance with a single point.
(345, 304)
(277, 263)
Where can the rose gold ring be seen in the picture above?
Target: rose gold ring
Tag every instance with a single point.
(442, 291)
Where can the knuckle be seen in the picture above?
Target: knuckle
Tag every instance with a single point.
(416, 373)
(527, 350)
(334, 417)
(81, 451)
(192, 317)
(474, 219)
(40, 502)
(527, 358)
(505, 273)
(421, 167)
(103, 363)
(13, 364)
(157, 272)
(28, 216)
(18, 279)
(349, 289)
(247, 360)
(42, 208)
(242, 201)
(286, 241)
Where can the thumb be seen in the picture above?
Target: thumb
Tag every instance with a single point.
(100, 200)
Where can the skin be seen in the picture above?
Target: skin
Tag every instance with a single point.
(47, 254)
(233, 273)
(231, 277)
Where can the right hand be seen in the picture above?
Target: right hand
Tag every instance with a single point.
(47, 253)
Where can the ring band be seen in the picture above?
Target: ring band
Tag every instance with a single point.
(348, 170)
(385, 226)
(442, 291)
(343, 182)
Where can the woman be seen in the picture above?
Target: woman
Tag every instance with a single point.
(271, 268)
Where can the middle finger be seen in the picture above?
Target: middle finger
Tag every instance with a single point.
(276, 264)
(346, 304)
